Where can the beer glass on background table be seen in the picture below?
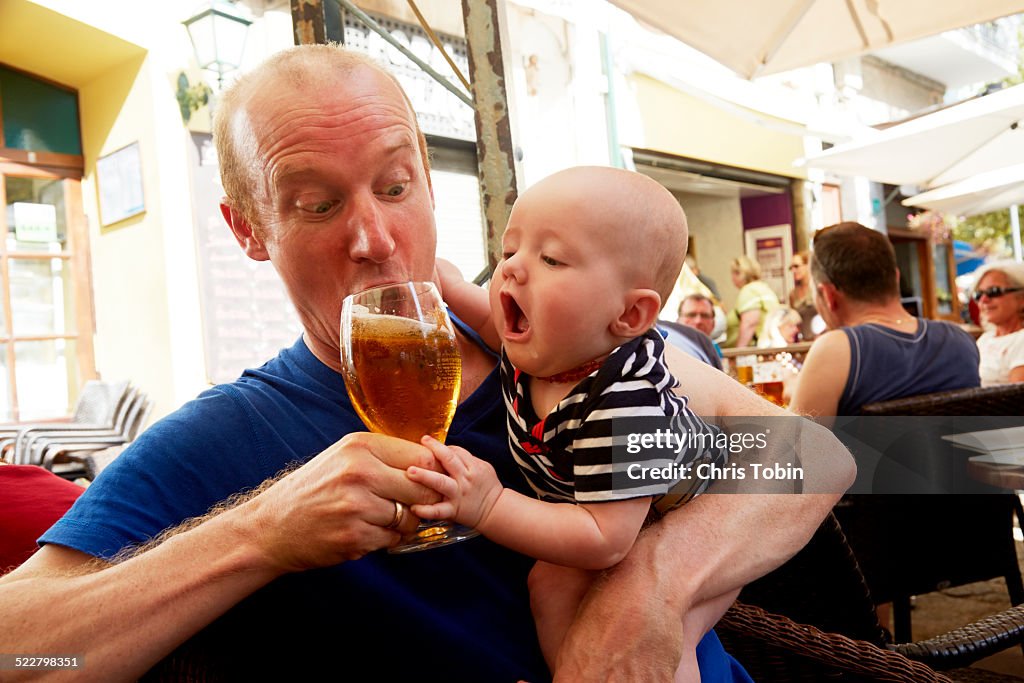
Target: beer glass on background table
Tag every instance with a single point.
(402, 369)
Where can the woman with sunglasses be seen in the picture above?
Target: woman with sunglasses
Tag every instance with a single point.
(1000, 297)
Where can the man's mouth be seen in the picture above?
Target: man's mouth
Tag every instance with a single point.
(517, 325)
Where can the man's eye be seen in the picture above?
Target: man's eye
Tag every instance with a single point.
(550, 261)
(320, 207)
(394, 190)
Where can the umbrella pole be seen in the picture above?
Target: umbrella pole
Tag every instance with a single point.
(1015, 233)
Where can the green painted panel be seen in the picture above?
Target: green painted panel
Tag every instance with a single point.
(37, 116)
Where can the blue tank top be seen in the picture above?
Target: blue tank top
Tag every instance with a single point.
(887, 364)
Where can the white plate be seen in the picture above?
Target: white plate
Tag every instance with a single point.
(990, 440)
(1010, 456)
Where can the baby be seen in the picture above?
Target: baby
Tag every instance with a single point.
(589, 255)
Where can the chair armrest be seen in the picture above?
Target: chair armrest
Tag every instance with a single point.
(967, 644)
(834, 652)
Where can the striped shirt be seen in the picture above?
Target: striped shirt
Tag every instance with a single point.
(568, 457)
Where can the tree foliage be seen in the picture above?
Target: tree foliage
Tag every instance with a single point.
(988, 232)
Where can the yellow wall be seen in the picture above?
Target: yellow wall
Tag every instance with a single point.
(146, 299)
(679, 123)
(127, 270)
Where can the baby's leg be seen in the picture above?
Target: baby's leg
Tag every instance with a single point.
(555, 595)
(697, 622)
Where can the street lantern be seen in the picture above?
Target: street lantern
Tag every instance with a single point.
(217, 32)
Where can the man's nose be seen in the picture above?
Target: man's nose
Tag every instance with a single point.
(371, 234)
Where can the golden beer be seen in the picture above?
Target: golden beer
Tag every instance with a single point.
(771, 391)
(403, 375)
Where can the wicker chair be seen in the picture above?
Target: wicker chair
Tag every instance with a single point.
(953, 543)
(813, 619)
(1007, 399)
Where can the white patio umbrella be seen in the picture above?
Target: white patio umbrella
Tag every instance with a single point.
(977, 136)
(759, 38)
(983, 193)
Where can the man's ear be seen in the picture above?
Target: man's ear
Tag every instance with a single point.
(244, 234)
(830, 294)
(640, 311)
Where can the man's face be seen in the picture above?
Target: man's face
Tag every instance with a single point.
(699, 314)
(343, 200)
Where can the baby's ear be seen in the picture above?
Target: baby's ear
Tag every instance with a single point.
(639, 313)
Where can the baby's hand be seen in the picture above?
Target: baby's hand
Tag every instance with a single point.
(470, 488)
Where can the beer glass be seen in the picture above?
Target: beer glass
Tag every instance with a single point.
(402, 369)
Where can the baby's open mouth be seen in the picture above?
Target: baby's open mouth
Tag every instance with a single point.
(516, 322)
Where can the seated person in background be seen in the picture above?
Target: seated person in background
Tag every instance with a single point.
(567, 372)
(249, 520)
(745, 322)
(692, 341)
(874, 350)
(31, 500)
(1000, 295)
(781, 328)
(697, 311)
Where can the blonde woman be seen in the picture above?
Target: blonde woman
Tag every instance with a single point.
(1000, 297)
(745, 322)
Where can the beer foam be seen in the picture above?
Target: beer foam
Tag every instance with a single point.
(381, 325)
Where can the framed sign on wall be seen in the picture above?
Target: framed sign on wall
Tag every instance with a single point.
(772, 247)
(119, 184)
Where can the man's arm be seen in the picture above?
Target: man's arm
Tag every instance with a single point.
(821, 381)
(594, 536)
(124, 617)
(630, 622)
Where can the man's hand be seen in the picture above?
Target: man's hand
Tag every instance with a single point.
(339, 505)
(469, 490)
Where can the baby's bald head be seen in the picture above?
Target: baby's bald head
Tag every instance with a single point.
(638, 220)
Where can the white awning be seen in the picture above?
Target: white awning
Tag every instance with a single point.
(992, 191)
(978, 136)
(759, 38)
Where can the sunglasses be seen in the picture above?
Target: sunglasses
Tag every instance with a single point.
(995, 292)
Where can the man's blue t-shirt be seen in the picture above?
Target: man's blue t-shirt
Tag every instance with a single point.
(458, 613)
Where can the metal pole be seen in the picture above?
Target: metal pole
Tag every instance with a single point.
(495, 153)
(1015, 232)
(614, 152)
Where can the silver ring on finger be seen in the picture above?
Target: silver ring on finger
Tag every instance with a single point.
(399, 514)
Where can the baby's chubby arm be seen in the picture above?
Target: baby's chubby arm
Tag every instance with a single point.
(586, 536)
(468, 301)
